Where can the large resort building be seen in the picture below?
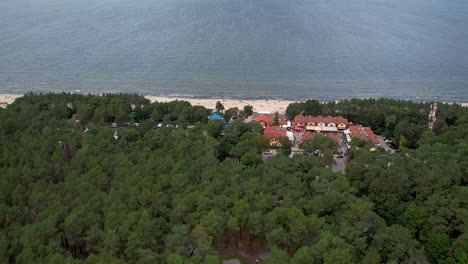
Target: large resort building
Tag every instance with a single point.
(320, 123)
(330, 126)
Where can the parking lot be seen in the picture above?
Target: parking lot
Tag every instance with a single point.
(387, 144)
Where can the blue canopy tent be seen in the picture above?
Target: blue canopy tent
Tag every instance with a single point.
(217, 116)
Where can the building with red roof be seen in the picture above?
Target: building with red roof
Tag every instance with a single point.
(307, 135)
(365, 133)
(269, 120)
(310, 135)
(274, 133)
(320, 123)
(262, 119)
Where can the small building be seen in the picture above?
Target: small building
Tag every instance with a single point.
(274, 134)
(269, 120)
(114, 125)
(342, 122)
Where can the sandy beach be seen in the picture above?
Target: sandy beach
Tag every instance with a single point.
(259, 106)
(6, 99)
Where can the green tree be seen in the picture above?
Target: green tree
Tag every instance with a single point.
(415, 219)
(358, 142)
(285, 146)
(201, 240)
(251, 158)
(276, 119)
(231, 113)
(240, 211)
(215, 128)
(293, 110)
(213, 223)
(248, 110)
(438, 247)
(219, 107)
(403, 143)
(277, 257)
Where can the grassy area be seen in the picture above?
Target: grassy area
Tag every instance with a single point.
(241, 259)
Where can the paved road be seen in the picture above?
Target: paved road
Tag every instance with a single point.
(383, 144)
(340, 164)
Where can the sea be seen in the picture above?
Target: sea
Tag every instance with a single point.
(290, 49)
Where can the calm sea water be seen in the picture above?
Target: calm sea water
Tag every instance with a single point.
(324, 49)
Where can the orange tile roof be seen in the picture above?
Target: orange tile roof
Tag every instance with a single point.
(269, 120)
(310, 135)
(330, 119)
(261, 117)
(307, 135)
(365, 133)
(274, 132)
(299, 119)
(340, 119)
(317, 119)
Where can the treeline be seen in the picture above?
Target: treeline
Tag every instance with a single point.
(402, 121)
(72, 192)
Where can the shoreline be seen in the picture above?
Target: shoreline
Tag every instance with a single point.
(260, 105)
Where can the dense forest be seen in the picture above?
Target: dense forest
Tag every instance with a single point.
(118, 179)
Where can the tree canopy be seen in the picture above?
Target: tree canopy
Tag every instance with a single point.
(76, 189)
